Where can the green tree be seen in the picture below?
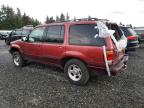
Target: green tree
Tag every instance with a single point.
(18, 18)
(62, 17)
(9, 19)
(57, 18)
(51, 20)
(47, 20)
(67, 17)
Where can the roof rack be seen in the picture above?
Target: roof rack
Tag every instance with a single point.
(89, 19)
(83, 19)
(86, 19)
(103, 20)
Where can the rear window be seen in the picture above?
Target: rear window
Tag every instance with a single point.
(132, 32)
(118, 33)
(128, 31)
(85, 34)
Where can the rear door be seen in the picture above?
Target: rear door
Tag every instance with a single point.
(33, 48)
(86, 44)
(53, 45)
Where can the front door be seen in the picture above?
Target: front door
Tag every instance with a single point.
(33, 47)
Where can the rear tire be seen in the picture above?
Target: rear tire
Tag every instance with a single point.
(17, 59)
(76, 72)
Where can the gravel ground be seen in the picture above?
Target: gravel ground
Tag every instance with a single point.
(41, 86)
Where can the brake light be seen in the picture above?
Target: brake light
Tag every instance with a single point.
(110, 56)
(132, 37)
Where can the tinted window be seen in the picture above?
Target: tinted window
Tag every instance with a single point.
(18, 32)
(126, 31)
(37, 34)
(55, 34)
(85, 34)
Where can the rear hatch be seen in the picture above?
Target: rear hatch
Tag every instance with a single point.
(117, 44)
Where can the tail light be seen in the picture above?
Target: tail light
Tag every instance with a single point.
(132, 37)
(110, 56)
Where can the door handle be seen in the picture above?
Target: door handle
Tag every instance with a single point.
(60, 47)
(37, 44)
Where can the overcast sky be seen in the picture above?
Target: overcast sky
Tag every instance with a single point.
(125, 11)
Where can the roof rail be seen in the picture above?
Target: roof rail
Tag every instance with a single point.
(86, 19)
(82, 19)
(103, 20)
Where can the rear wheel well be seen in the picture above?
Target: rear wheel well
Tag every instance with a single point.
(64, 60)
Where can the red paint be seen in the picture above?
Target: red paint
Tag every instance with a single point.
(132, 37)
(55, 53)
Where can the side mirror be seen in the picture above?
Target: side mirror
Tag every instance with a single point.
(24, 38)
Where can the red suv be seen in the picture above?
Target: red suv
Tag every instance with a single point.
(77, 47)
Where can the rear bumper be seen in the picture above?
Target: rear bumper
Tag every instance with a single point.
(114, 69)
(120, 66)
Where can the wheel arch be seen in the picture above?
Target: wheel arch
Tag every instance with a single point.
(65, 59)
(13, 49)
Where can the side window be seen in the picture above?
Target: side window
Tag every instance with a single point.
(18, 32)
(85, 34)
(37, 34)
(55, 34)
(13, 33)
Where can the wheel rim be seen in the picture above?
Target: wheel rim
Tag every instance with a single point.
(16, 60)
(74, 72)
